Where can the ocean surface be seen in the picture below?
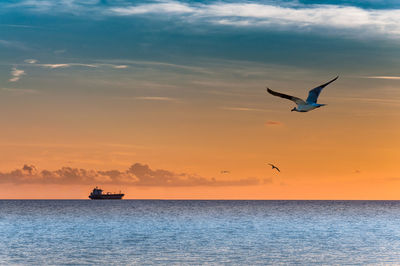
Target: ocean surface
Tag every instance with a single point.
(76, 232)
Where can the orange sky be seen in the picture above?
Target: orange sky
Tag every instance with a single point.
(346, 150)
(180, 95)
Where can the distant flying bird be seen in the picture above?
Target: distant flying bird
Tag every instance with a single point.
(225, 172)
(310, 103)
(274, 167)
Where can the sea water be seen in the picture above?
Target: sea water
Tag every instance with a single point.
(76, 232)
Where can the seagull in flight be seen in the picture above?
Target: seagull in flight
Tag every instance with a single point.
(274, 167)
(310, 103)
(225, 172)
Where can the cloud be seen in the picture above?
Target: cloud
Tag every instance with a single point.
(20, 91)
(31, 61)
(66, 65)
(386, 101)
(273, 123)
(384, 77)
(61, 6)
(16, 74)
(20, 26)
(243, 109)
(136, 175)
(53, 66)
(155, 98)
(163, 7)
(60, 51)
(120, 66)
(13, 45)
(154, 64)
(30, 169)
(278, 15)
(285, 15)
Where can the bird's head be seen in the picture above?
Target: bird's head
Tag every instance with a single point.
(294, 109)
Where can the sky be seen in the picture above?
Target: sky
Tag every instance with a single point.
(167, 99)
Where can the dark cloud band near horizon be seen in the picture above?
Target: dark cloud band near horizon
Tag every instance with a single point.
(136, 175)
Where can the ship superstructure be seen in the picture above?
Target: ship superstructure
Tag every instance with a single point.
(97, 194)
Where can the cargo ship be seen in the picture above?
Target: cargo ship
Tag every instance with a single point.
(97, 194)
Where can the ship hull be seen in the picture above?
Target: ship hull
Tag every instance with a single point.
(107, 197)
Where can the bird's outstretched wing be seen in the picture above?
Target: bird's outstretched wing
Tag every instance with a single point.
(289, 97)
(314, 93)
(274, 167)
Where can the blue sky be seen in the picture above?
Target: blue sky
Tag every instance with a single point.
(329, 35)
(186, 43)
(177, 42)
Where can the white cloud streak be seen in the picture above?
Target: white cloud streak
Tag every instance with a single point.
(19, 91)
(66, 65)
(267, 15)
(120, 66)
(16, 74)
(385, 77)
(31, 61)
(154, 64)
(277, 15)
(155, 98)
(163, 7)
(54, 66)
(59, 6)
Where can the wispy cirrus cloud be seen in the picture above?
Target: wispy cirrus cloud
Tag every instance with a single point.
(13, 45)
(65, 65)
(342, 19)
(20, 91)
(53, 66)
(384, 77)
(16, 74)
(242, 109)
(121, 63)
(284, 15)
(31, 61)
(34, 62)
(20, 26)
(61, 6)
(120, 66)
(155, 98)
(170, 7)
(136, 175)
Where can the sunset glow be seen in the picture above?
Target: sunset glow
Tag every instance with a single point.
(157, 99)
